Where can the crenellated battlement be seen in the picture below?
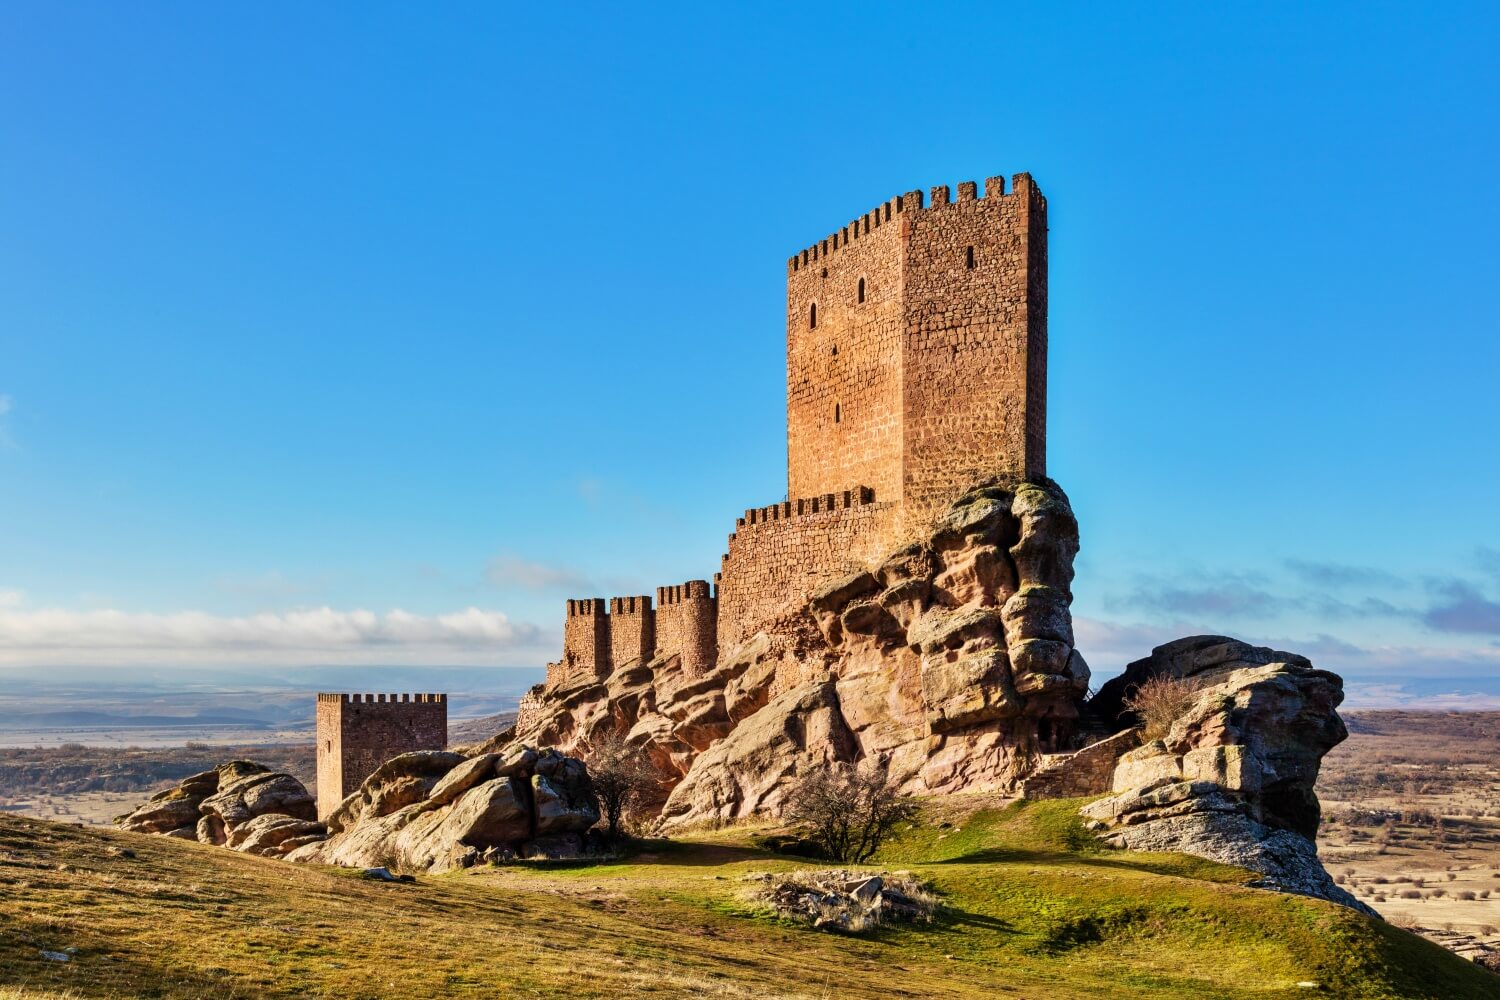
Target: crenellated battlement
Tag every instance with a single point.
(382, 699)
(913, 201)
(629, 605)
(588, 607)
(692, 590)
(857, 497)
(873, 221)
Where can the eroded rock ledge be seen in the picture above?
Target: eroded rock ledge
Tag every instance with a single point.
(1232, 779)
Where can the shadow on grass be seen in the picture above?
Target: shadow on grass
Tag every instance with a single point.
(1155, 864)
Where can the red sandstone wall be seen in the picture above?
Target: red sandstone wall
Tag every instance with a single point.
(844, 375)
(687, 625)
(358, 733)
(976, 342)
(778, 556)
(586, 645)
(632, 630)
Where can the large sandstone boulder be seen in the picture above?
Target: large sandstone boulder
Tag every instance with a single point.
(1232, 779)
(952, 659)
(519, 802)
(240, 805)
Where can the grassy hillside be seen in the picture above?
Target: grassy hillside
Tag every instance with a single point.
(1034, 911)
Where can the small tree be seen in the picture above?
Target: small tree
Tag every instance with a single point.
(851, 810)
(621, 774)
(1159, 701)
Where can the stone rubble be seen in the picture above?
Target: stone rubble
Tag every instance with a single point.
(844, 900)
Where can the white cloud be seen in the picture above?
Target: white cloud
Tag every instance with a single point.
(309, 635)
(510, 570)
(12, 598)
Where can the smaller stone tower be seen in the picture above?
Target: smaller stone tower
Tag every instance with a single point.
(359, 732)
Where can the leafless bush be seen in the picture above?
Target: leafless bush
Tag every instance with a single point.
(851, 810)
(1158, 702)
(622, 775)
(1466, 894)
(1409, 894)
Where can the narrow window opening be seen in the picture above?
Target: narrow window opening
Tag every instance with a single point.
(825, 272)
(969, 258)
(835, 350)
(861, 289)
(838, 413)
(812, 317)
(955, 351)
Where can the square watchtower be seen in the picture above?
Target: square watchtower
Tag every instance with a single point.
(359, 732)
(917, 348)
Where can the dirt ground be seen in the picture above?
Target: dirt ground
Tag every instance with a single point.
(1411, 809)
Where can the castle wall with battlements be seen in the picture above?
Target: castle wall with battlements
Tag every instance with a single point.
(356, 733)
(916, 348)
(779, 555)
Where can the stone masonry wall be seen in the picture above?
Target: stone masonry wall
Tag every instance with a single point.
(632, 630)
(779, 555)
(586, 644)
(975, 359)
(687, 625)
(357, 733)
(844, 369)
(1089, 771)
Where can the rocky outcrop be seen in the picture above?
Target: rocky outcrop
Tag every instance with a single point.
(434, 810)
(1232, 778)
(845, 901)
(239, 805)
(952, 660)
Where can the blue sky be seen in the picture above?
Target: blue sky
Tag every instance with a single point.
(370, 332)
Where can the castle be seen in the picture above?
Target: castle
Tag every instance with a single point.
(357, 733)
(916, 347)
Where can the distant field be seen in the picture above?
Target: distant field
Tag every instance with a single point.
(1411, 805)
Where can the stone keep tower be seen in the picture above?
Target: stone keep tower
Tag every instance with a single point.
(357, 733)
(917, 348)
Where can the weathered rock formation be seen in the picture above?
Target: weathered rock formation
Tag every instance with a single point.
(433, 810)
(952, 660)
(1232, 780)
(239, 805)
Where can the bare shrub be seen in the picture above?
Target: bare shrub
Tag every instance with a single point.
(1466, 894)
(1380, 897)
(851, 810)
(1158, 702)
(1403, 920)
(1409, 894)
(622, 776)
